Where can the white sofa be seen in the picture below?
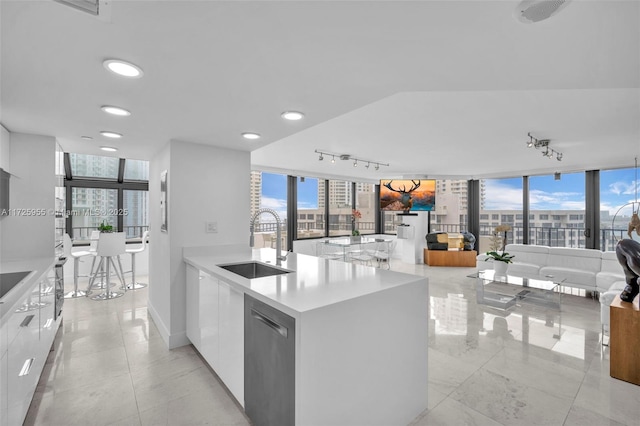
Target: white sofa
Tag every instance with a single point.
(588, 269)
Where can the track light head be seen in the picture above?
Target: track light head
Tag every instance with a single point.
(321, 157)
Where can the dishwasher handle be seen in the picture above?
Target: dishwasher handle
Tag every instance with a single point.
(283, 331)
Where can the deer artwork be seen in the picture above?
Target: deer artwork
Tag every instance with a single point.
(405, 198)
(634, 223)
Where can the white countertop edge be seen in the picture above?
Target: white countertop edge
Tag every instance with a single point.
(298, 303)
(39, 267)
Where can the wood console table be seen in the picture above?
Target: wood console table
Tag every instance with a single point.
(450, 257)
(624, 340)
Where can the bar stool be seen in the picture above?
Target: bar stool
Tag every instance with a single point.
(134, 285)
(67, 247)
(110, 245)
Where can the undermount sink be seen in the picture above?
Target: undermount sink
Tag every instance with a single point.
(252, 270)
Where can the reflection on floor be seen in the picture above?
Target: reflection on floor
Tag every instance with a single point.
(110, 366)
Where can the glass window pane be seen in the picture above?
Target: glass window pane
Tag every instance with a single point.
(619, 191)
(84, 165)
(340, 208)
(563, 199)
(136, 170)
(135, 213)
(90, 207)
(501, 200)
(269, 190)
(366, 204)
(450, 214)
(310, 208)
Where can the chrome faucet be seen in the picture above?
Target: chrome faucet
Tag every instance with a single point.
(279, 256)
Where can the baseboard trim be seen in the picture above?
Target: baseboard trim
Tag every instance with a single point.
(170, 340)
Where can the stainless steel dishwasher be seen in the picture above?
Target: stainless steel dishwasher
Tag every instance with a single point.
(269, 364)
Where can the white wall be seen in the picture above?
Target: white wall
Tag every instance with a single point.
(5, 150)
(32, 166)
(204, 184)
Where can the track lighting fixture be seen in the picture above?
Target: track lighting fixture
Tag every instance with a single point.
(543, 144)
(350, 158)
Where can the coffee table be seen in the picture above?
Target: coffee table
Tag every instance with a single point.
(504, 292)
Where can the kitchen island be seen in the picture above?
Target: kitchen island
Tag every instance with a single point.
(361, 333)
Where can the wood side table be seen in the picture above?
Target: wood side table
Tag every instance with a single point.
(624, 340)
(450, 257)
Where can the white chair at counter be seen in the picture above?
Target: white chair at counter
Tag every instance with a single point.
(134, 285)
(77, 255)
(110, 245)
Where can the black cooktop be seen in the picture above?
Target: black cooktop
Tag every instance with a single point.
(8, 280)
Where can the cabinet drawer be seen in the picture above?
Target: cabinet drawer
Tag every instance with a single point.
(22, 372)
(25, 314)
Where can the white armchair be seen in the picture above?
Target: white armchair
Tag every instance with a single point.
(605, 300)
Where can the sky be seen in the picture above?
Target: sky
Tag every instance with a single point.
(616, 190)
(546, 193)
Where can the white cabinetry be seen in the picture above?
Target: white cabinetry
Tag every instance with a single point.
(231, 321)
(22, 355)
(215, 326)
(27, 335)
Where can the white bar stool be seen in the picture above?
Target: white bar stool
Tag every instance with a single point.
(134, 285)
(110, 245)
(68, 246)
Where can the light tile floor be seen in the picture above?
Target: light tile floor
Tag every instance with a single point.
(110, 366)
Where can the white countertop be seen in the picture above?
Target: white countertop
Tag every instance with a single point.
(37, 266)
(314, 283)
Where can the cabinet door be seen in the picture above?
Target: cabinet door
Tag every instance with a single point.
(47, 309)
(231, 371)
(193, 307)
(208, 319)
(23, 359)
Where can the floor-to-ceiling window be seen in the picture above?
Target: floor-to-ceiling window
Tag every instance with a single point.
(310, 208)
(269, 190)
(340, 207)
(104, 190)
(619, 198)
(557, 210)
(500, 204)
(366, 205)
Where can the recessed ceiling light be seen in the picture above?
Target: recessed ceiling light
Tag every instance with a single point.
(292, 115)
(125, 69)
(250, 135)
(115, 110)
(112, 135)
(108, 148)
(86, 138)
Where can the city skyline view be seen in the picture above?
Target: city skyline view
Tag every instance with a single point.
(618, 189)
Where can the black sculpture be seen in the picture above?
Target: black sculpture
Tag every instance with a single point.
(628, 253)
(469, 240)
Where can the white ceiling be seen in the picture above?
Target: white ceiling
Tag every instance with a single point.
(434, 88)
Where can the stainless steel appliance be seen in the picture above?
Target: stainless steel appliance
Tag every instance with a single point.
(59, 286)
(269, 364)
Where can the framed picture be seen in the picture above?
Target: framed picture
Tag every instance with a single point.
(164, 204)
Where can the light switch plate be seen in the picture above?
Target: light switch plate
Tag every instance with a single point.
(212, 227)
